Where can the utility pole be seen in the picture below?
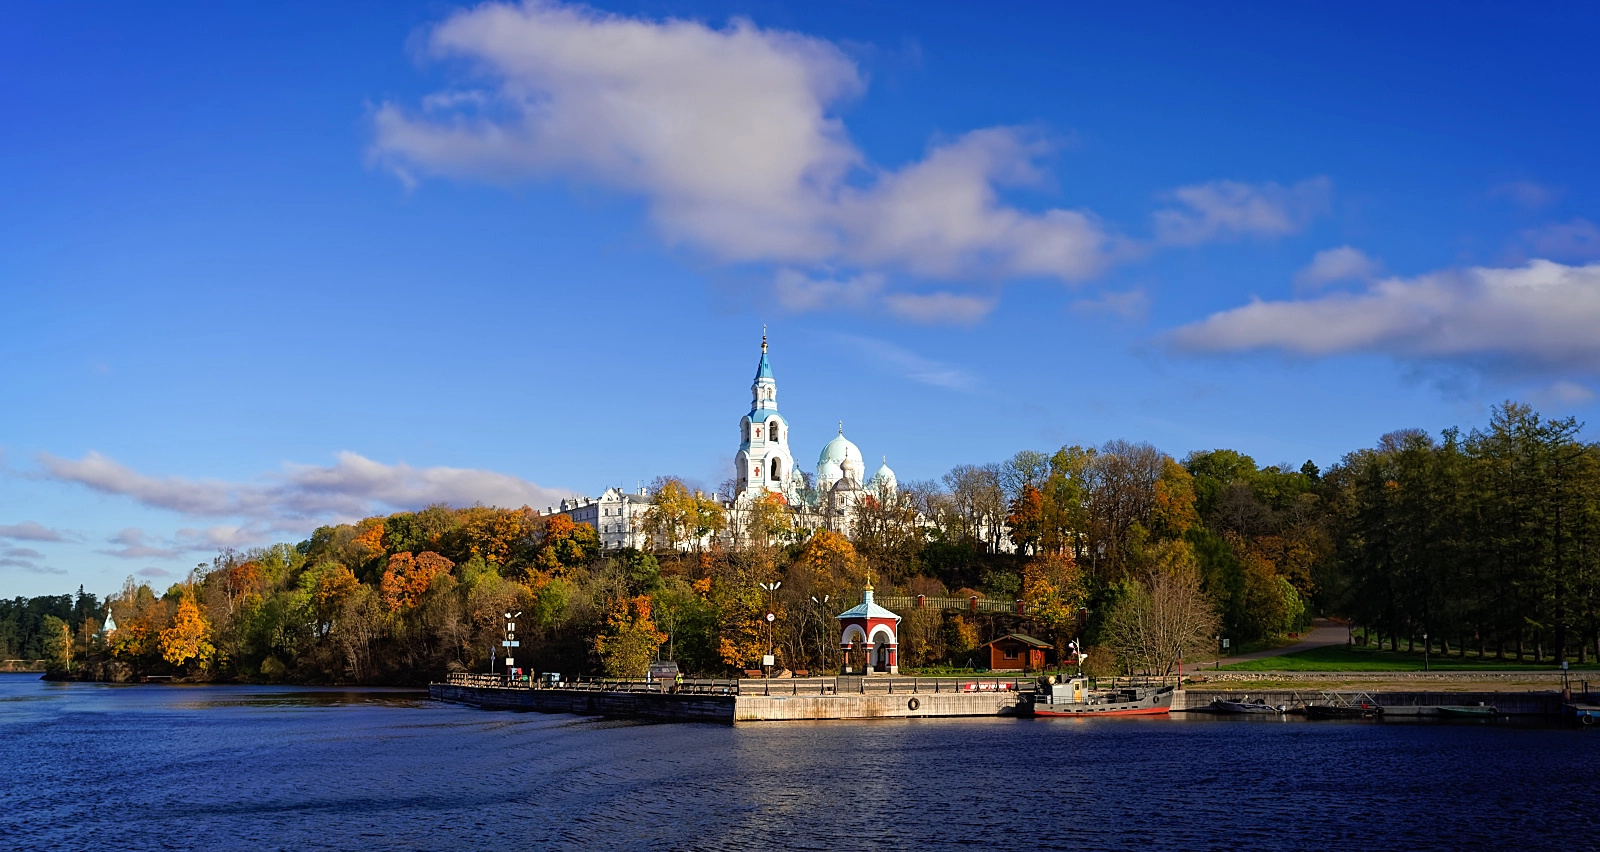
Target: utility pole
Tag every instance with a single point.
(771, 658)
(510, 643)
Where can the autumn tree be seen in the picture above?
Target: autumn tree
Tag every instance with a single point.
(630, 639)
(1159, 619)
(677, 516)
(1026, 518)
(188, 638)
(767, 520)
(1054, 590)
(566, 544)
(407, 577)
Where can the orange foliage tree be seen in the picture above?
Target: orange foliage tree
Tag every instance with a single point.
(407, 577)
(188, 637)
(567, 544)
(1026, 519)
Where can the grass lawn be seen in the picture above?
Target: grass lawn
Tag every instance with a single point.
(1341, 658)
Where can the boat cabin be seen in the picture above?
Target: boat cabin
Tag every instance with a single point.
(1017, 652)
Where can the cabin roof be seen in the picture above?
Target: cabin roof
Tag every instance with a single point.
(1020, 637)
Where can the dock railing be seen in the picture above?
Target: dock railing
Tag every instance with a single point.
(694, 686)
(878, 684)
(842, 685)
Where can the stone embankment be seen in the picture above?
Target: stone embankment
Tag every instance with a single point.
(1504, 677)
(750, 700)
(1393, 702)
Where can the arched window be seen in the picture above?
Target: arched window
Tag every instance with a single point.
(777, 471)
(744, 430)
(772, 429)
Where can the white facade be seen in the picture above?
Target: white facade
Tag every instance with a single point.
(618, 516)
(763, 464)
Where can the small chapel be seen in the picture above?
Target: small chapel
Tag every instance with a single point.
(869, 637)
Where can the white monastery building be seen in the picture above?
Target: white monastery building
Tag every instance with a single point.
(763, 465)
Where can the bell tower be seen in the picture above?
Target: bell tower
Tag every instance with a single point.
(763, 463)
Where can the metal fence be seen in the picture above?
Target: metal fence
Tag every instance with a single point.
(695, 686)
(968, 604)
(878, 685)
(844, 685)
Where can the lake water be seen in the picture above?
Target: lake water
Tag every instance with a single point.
(103, 767)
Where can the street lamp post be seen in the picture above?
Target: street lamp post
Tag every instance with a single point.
(510, 643)
(1425, 650)
(822, 634)
(772, 658)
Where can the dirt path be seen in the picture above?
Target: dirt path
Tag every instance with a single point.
(1322, 634)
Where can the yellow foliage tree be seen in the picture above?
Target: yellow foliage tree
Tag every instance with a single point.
(188, 637)
(630, 639)
(1053, 588)
(831, 562)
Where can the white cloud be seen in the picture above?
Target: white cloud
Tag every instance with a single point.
(799, 292)
(1225, 209)
(30, 531)
(30, 566)
(1575, 240)
(352, 488)
(156, 573)
(1541, 316)
(21, 553)
(732, 137)
(900, 361)
(1564, 393)
(1128, 305)
(1336, 264)
(1526, 193)
(134, 544)
(218, 537)
(939, 308)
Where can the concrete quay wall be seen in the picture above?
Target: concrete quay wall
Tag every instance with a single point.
(784, 708)
(1395, 703)
(680, 707)
(674, 707)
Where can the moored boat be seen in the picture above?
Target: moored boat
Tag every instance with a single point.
(1467, 711)
(1343, 711)
(1258, 706)
(1077, 697)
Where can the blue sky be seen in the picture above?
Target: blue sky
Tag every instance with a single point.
(265, 267)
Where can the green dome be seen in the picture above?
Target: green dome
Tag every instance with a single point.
(839, 449)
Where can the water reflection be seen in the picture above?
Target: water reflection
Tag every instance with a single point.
(148, 767)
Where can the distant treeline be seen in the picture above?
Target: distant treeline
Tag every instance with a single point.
(41, 628)
(1489, 540)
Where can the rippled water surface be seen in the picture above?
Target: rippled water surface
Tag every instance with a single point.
(91, 766)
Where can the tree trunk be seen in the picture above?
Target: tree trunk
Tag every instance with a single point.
(1499, 649)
